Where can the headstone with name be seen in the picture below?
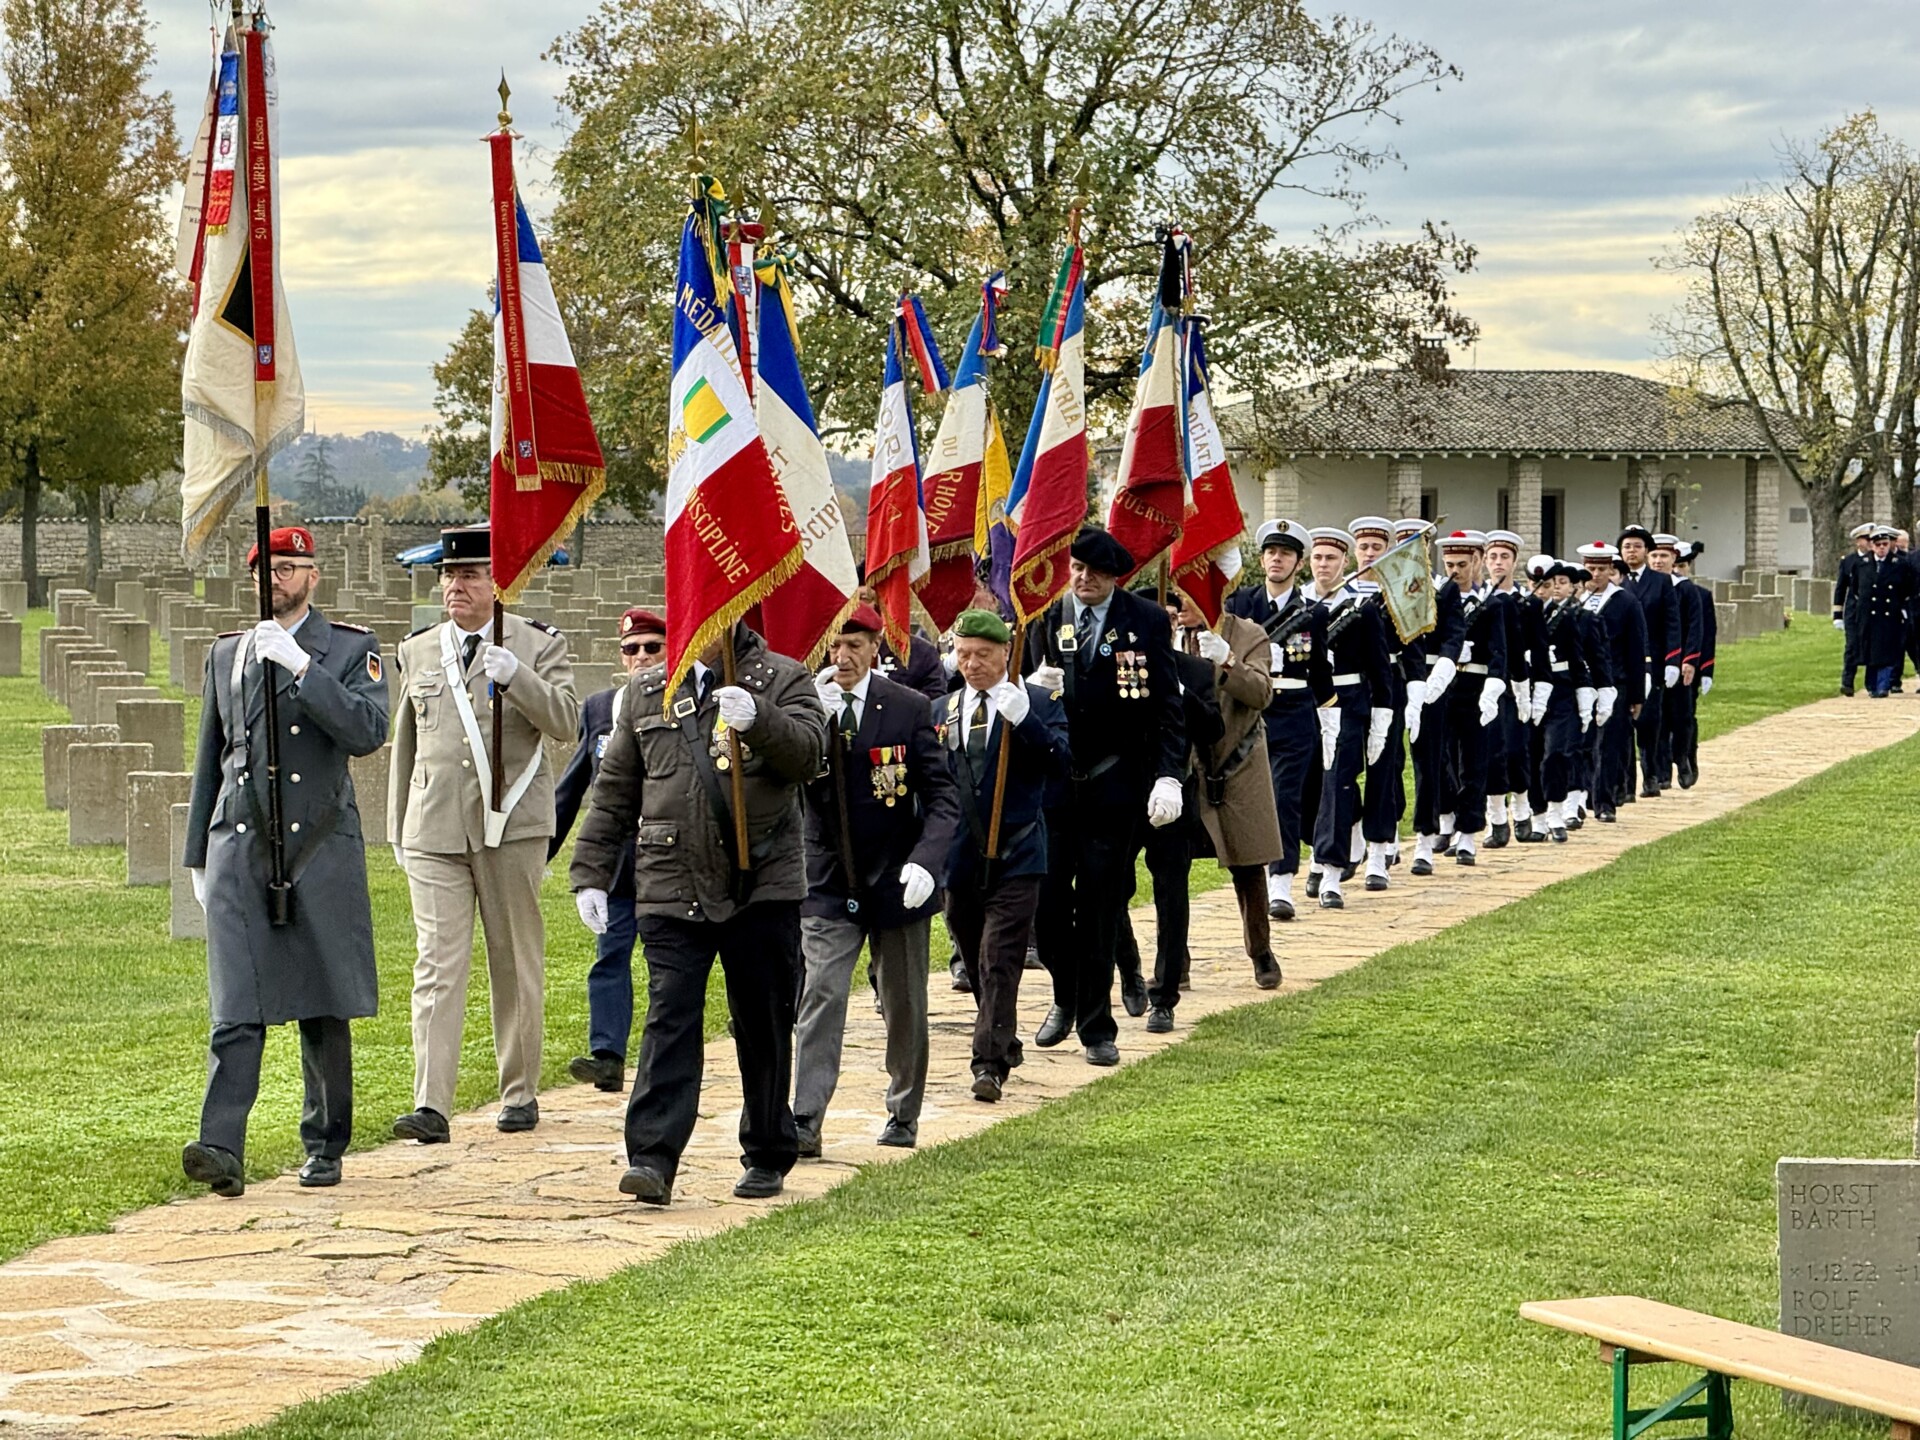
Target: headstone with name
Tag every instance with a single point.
(1850, 1255)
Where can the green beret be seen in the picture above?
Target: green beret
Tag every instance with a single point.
(982, 625)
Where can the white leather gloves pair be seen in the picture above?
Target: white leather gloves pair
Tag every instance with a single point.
(1605, 698)
(272, 641)
(1490, 700)
(1010, 701)
(1213, 648)
(736, 707)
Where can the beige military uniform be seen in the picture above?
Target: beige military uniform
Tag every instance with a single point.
(460, 854)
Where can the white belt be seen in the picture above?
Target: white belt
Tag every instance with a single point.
(493, 821)
(1287, 683)
(1347, 679)
(1473, 669)
(1559, 665)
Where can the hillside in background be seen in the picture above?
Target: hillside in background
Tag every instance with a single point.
(377, 463)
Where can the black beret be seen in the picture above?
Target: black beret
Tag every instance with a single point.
(1097, 550)
(1636, 532)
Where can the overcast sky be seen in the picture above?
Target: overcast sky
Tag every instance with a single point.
(1582, 136)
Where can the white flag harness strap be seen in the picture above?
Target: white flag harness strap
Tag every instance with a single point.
(496, 820)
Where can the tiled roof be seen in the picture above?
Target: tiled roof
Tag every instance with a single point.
(1525, 412)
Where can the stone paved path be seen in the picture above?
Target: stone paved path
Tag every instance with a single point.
(202, 1315)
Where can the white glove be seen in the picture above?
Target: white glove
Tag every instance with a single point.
(1673, 676)
(1439, 676)
(1604, 700)
(198, 875)
(915, 885)
(1583, 699)
(1011, 701)
(592, 905)
(1416, 694)
(1377, 726)
(1276, 660)
(1490, 700)
(1213, 647)
(1839, 624)
(1049, 677)
(1329, 735)
(1522, 700)
(1706, 685)
(501, 665)
(827, 692)
(272, 642)
(736, 707)
(1412, 718)
(950, 662)
(1542, 698)
(1163, 802)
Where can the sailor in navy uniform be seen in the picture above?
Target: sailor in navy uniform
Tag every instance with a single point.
(1302, 682)
(1474, 704)
(1110, 654)
(1676, 715)
(1596, 657)
(1353, 729)
(1654, 591)
(1509, 813)
(1687, 762)
(1384, 798)
(1432, 662)
(1844, 595)
(1886, 593)
(1624, 625)
(1562, 692)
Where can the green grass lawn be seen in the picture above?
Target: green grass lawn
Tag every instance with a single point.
(1318, 1216)
(92, 992)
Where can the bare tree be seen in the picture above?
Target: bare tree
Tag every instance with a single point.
(1804, 300)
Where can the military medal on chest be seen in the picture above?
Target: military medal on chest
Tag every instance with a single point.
(889, 772)
(721, 751)
(1131, 674)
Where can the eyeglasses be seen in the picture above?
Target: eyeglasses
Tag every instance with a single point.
(287, 569)
(642, 647)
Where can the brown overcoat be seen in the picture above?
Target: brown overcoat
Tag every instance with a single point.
(1244, 827)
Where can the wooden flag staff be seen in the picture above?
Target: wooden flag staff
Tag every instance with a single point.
(494, 703)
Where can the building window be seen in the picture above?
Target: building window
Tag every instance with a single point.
(1553, 504)
(1429, 505)
(1503, 508)
(1669, 508)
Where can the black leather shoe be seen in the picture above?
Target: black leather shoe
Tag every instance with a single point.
(1032, 961)
(1578, 820)
(515, 1118)
(1846, 689)
(898, 1135)
(214, 1167)
(1347, 872)
(987, 1087)
(1527, 835)
(1331, 900)
(1649, 792)
(320, 1172)
(1159, 1021)
(1463, 857)
(1133, 993)
(759, 1183)
(808, 1130)
(1313, 884)
(601, 1070)
(961, 984)
(1104, 1052)
(1280, 908)
(1420, 867)
(1498, 836)
(429, 1127)
(1560, 837)
(1053, 1029)
(1266, 972)
(647, 1185)
(1016, 1054)
(1605, 817)
(1448, 841)
(1377, 882)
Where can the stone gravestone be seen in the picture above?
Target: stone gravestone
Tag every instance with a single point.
(13, 596)
(151, 796)
(55, 741)
(186, 920)
(157, 722)
(97, 791)
(1850, 1256)
(369, 774)
(9, 646)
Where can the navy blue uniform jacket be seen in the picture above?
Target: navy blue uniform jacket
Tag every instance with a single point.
(1038, 765)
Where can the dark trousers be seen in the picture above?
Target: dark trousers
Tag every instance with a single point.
(233, 1084)
(1881, 678)
(1558, 746)
(1614, 772)
(610, 983)
(1169, 851)
(1340, 790)
(1250, 892)
(1431, 798)
(1293, 755)
(759, 953)
(992, 930)
(1468, 754)
(1850, 653)
(1692, 744)
(1091, 842)
(1647, 731)
(1386, 796)
(1676, 721)
(1507, 770)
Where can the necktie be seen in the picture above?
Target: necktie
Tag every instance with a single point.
(706, 686)
(977, 727)
(849, 722)
(1083, 637)
(466, 651)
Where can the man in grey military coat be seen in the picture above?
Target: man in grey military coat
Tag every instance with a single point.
(317, 970)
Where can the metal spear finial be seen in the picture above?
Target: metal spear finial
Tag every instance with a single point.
(506, 117)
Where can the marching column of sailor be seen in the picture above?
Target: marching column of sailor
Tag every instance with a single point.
(876, 794)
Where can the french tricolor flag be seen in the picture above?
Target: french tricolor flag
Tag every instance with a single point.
(897, 549)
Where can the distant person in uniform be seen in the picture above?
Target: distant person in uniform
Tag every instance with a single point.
(643, 642)
(458, 853)
(317, 970)
(1843, 603)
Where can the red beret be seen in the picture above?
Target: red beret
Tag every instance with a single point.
(293, 540)
(637, 619)
(864, 617)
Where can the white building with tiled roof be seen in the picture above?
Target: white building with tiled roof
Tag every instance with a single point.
(1559, 456)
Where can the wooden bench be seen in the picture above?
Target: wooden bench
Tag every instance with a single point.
(1632, 1331)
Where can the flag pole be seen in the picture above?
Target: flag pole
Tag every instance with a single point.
(279, 888)
(1019, 634)
(498, 710)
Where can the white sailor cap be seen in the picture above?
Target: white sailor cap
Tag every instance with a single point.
(1684, 550)
(1370, 525)
(1410, 526)
(1540, 567)
(1599, 550)
(1505, 537)
(1860, 532)
(1464, 540)
(1664, 541)
(1884, 532)
(1331, 535)
(1289, 533)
